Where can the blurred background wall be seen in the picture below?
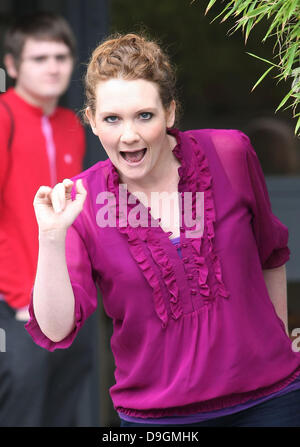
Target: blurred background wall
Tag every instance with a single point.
(215, 77)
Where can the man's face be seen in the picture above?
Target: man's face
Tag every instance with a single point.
(44, 70)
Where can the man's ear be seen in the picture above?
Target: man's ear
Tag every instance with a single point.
(170, 114)
(10, 65)
(91, 118)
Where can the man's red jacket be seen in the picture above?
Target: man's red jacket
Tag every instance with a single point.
(23, 169)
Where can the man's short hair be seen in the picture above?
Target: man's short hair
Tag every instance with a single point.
(39, 26)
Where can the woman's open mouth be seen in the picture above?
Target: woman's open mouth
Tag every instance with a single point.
(134, 157)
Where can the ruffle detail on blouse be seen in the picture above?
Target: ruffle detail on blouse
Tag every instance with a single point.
(137, 249)
(162, 259)
(203, 182)
(141, 240)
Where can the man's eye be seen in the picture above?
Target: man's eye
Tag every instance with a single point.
(39, 59)
(146, 115)
(62, 57)
(111, 119)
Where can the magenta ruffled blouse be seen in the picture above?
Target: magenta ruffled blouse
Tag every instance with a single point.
(196, 332)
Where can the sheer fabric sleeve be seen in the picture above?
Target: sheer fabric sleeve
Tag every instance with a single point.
(270, 233)
(83, 281)
(246, 177)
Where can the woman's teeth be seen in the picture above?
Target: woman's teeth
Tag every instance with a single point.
(135, 156)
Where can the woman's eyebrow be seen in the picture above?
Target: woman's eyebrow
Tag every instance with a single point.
(138, 111)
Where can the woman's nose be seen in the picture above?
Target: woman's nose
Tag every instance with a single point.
(129, 134)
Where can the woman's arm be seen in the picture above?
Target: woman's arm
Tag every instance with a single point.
(275, 280)
(53, 298)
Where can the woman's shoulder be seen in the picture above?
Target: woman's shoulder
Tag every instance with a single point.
(224, 140)
(230, 147)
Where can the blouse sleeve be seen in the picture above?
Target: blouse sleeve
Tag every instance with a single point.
(270, 234)
(84, 288)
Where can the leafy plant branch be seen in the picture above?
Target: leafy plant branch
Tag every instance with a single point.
(284, 25)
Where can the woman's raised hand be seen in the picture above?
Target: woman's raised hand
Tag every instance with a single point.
(54, 208)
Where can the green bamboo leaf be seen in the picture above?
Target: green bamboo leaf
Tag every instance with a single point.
(252, 6)
(291, 58)
(257, 12)
(262, 77)
(222, 12)
(296, 80)
(241, 8)
(259, 18)
(297, 126)
(209, 6)
(269, 35)
(272, 26)
(262, 59)
(288, 107)
(248, 30)
(230, 13)
(296, 33)
(283, 27)
(293, 8)
(284, 100)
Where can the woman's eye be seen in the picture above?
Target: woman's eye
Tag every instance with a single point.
(146, 115)
(111, 119)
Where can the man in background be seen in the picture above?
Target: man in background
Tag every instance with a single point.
(40, 144)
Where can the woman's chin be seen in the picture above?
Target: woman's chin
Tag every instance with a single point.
(131, 171)
(134, 176)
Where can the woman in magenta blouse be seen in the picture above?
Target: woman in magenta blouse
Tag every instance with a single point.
(176, 229)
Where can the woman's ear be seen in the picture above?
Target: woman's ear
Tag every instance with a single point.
(170, 114)
(91, 118)
(10, 65)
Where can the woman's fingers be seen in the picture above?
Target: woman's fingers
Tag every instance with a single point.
(42, 193)
(58, 197)
(80, 191)
(65, 193)
(61, 193)
(68, 184)
(54, 207)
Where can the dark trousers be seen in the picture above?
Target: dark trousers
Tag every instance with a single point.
(39, 388)
(283, 411)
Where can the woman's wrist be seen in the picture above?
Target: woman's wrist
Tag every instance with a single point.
(58, 235)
